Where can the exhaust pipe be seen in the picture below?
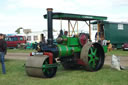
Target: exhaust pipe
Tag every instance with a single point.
(50, 29)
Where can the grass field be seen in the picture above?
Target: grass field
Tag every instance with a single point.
(16, 76)
(118, 52)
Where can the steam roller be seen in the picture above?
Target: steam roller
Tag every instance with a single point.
(71, 51)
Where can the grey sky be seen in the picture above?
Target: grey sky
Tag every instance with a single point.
(29, 13)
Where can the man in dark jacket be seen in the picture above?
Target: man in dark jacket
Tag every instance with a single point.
(3, 50)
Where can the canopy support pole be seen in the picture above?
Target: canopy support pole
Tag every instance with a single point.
(77, 27)
(89, 30)
(69, 28)
(98, 30)
(61, 23)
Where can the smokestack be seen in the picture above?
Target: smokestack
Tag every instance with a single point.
(50, 29)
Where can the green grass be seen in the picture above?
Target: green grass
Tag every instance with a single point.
(16, 76)
(118, 52)
(20, 50)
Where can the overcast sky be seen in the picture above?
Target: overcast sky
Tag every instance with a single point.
(29, 13)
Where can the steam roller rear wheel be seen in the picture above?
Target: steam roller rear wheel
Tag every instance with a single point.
(93, 56)
(38, 66)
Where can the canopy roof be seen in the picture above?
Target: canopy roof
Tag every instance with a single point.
(68, 16)
(112, 22)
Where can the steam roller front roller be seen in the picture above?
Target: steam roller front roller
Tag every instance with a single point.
(38, 66)
(93, 56)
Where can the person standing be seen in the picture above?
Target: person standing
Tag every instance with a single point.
(3, 50)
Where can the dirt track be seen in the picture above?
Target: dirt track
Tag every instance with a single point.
(19, 56)
(23, 56)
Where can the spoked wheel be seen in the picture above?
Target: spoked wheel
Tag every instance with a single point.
(38, 66)
(48, 69)
(93, 56)
(93, 59)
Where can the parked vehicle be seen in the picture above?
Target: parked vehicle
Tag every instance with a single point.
(116, 32)
(125, 46)
(15, 41)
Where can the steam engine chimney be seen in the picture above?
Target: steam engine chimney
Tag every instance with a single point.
(50, 29)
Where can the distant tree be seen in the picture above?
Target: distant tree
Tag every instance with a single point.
(18, 30)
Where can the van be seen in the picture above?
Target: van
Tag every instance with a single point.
(15, 41)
